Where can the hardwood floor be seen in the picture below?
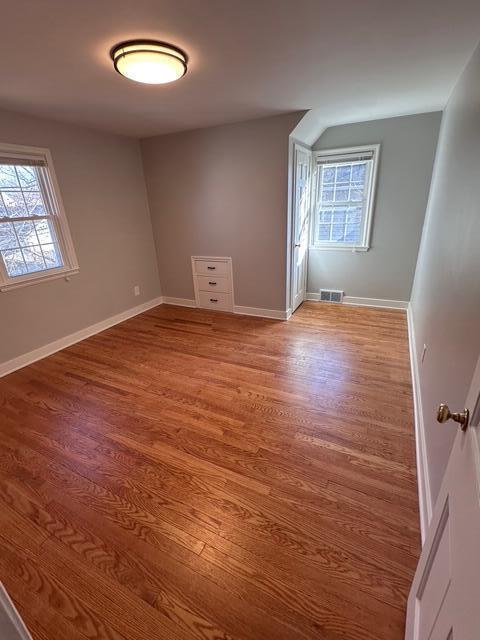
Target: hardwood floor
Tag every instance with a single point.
(193, 475)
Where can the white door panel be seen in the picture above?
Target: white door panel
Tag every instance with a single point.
(444, 602)
(12, 626)
(301, 216)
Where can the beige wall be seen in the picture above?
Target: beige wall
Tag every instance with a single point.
(446, 291)
(102, 184)
(222, 191)
(405, 168)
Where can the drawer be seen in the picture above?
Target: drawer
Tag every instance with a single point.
(214, 283)
(209, 267)
(221, 301)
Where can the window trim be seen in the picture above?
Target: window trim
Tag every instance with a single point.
(51, 191)
(342, 154)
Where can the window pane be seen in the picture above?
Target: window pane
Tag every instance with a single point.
(358, 171)
(34, 203)
(327, 194)
(356, 195)
(341, 194)
(352, 233)
(355, 214)
(323, 232)
(8, 177)
(14, 262)
(39, 249)
(44, 231)
(14, 204)
(25, 231)
(20, 192)
(328, 174)
(340, 216)
(52, 256)
(28, 178)
(344, 172)
(326, 215)
(8, 239)
(33, 257)
(353, 227)
(338, 232)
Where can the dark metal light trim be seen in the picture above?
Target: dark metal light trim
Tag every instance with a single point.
(115, 56)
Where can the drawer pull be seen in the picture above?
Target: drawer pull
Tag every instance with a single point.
(212, 283)
(213, 300)
(211, 268)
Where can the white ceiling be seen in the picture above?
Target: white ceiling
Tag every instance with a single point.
(352, 60)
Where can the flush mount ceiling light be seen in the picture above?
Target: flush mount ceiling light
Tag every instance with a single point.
(149, 61)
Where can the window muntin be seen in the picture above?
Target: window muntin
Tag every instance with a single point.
(343, 198)
(35, 241)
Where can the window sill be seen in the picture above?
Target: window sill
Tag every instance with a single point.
(352, 249)
(66, 273)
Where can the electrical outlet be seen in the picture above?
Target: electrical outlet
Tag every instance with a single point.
(136, 290)
(424, 352)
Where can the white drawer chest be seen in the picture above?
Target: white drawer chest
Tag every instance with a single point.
(213, 282)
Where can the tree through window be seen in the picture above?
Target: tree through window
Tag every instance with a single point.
(35, 241)
(343, 199)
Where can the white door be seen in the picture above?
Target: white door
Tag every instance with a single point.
(12, 626)
(444, 602)
(301, 212)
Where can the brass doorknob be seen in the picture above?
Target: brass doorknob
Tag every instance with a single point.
(444, 414)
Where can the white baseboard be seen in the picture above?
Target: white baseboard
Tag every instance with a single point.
(52, 347)
(245, 311)
(367, 302)
(179, 302)
(423, 480)
(313, 297)
(261, 313)
(376, 302)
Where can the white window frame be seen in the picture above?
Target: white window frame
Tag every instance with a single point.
(346, 154)
(53, 201)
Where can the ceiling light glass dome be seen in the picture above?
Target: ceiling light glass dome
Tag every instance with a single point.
(149, 61)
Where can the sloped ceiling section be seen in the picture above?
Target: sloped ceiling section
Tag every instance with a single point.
(310, 127)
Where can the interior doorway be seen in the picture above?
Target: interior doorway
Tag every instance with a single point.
(301, 173)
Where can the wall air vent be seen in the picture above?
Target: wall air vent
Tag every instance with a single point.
(331, 295)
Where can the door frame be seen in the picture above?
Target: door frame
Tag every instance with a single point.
(293, 144)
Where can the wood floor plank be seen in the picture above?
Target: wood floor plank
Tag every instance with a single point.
(198, 475)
